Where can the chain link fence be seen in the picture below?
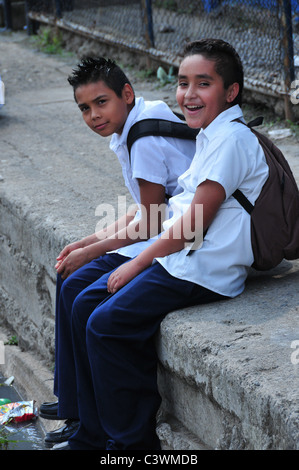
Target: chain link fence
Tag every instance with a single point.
(265, 32)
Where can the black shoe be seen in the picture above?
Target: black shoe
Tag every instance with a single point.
(62, 434)
(62, 446)
(49, 410)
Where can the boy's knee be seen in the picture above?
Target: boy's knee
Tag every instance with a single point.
(97, 323)
(81, 309)
(102, 322)
(67, 285)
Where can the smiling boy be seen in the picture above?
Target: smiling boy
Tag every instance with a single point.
(113, 339)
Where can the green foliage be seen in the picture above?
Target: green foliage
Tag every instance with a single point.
(49, 40)
(12, 341)
(4, 440)
(165, 77)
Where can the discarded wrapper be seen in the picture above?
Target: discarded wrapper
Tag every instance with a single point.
(17, 412)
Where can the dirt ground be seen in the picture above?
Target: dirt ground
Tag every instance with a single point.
(24, 67)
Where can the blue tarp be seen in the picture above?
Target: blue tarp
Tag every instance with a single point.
(209, 5)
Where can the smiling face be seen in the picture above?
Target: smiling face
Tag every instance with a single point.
(102, 110)
(200, 93)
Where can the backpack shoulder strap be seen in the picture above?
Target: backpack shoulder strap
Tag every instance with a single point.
(159, 127)
(242, 199)
(238, 195)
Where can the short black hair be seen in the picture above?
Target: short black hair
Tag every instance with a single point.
(227, 61)
(94, 69)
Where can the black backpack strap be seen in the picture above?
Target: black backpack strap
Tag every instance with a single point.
(258, 121)
(159, 127)
(245, 203)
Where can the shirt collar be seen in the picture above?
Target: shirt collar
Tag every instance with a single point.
(226, 116)
(116, 139)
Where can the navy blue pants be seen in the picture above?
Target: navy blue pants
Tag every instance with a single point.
(65, 384)
(112, 352)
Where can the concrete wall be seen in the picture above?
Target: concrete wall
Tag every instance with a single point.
(226, 374)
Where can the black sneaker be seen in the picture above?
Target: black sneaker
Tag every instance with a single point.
(62, 446)
(49, 410)
(62, 434)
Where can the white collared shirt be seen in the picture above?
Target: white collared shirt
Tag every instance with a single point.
(228, 153)
(159, 160)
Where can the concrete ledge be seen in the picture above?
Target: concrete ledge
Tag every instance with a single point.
(229, 377)
(229, 372)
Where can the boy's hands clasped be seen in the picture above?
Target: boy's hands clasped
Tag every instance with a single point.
(71, 262)
(72, 257)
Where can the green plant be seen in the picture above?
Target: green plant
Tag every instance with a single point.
(49, 40)
(165, 77)
(294, 128)
(4, 440)
(12, 341)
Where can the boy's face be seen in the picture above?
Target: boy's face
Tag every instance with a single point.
(102, 110)
(200, 93)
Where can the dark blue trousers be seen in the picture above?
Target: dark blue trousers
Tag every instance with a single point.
(65, 384)
(115, 357)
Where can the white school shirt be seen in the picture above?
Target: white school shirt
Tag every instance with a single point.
(228, 153)
(159, 160)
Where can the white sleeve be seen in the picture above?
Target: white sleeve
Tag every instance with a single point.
(228, 163)
(148, 160)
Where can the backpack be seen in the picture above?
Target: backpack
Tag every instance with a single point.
(275, 214)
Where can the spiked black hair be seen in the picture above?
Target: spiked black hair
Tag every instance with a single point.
(94, 69)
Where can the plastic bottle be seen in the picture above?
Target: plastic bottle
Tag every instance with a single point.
(4, 401)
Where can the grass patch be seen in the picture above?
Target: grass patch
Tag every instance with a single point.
(49, 40)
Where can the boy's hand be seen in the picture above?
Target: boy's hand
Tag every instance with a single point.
(122, 275)
(73, 261)
(66, 251)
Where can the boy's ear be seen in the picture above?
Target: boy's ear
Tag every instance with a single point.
(128, 93)
(233, 91)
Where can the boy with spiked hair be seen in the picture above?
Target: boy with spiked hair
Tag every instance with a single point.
(109, 107)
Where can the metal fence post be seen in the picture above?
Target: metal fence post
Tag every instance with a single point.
(7, 14)
(288, 54)
(58, 9)
(146, 6)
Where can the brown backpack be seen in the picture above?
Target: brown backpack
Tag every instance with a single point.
(275, 214)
